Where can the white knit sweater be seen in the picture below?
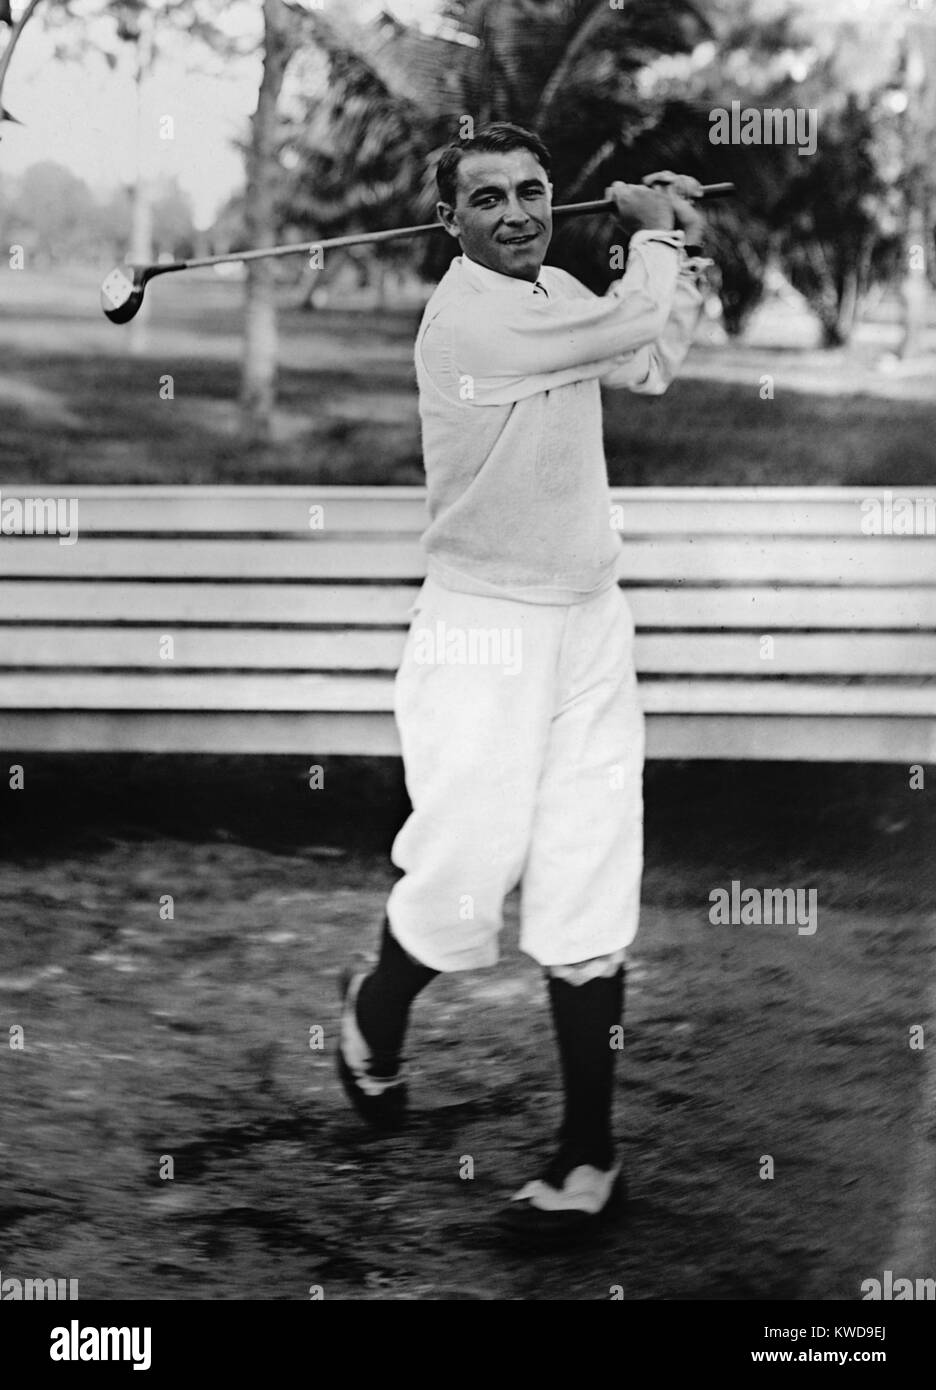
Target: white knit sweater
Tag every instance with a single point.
(510, 405)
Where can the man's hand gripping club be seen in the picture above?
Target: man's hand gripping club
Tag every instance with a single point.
(660, 202)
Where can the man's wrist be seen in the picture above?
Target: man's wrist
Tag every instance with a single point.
(669, 236)
(694, 232)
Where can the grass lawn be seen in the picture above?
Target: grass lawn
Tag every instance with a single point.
(77, 407)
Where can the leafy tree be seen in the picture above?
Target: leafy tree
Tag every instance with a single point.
(106, 28)
(357, 144)
(53, 215)
(174, 231)
(752, 54)
(365, 150)
(833, 232)
(173, 224)
(569, 69)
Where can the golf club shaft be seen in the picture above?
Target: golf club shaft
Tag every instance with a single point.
(712, 190)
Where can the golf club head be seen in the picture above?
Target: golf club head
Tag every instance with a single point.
(121, 295)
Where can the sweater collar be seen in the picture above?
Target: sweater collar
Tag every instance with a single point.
(505, 284)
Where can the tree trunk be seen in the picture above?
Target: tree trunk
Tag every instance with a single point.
(259, 361)
(914, 289)
(832, 333)
(847, 307)
(919, 71)
(15, 33)
(141, 194)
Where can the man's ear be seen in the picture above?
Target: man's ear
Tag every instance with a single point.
(448, 217)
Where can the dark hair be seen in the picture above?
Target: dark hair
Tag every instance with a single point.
(498, 137)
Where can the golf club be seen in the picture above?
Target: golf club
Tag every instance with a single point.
(122, 290)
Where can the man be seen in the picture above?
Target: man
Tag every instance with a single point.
(516, 699)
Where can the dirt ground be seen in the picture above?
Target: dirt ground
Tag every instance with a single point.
(193, 1039)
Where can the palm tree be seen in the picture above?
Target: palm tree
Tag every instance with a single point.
(569, 68)
(359, 143)
(366, 149)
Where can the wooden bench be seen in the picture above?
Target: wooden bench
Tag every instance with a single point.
(285, 633)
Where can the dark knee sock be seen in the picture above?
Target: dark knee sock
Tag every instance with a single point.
(384, 1000)
(583, 1016)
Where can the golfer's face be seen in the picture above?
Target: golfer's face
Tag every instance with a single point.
(503, 212)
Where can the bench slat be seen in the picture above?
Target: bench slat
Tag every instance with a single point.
(226, 691)
(645, 511)
(886, 561)
(827, 654)
(765, 610)
(269, 604)
(364, 649)
(374, 649)
(826, 739)
(756, 608)
(786, 697)
(284, 512)
(318, 558)
(309, 736)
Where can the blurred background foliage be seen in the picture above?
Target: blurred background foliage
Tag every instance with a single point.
(616, 92)
(354, 106)
(615, 89)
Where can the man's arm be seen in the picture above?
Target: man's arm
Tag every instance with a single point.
(510, 348)
(649, 370)
(495, 350)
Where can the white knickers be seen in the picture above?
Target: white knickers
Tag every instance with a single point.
(523, 745)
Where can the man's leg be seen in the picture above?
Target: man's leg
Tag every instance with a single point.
(373, 1026)
(384, 999)
(581, 894)
(473, 735)
(585, 1013)
(577, 1185)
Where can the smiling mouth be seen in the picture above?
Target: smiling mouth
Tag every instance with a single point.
(520, 240)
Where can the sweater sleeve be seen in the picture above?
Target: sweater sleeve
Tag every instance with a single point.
(490, 349)
(649, 370)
